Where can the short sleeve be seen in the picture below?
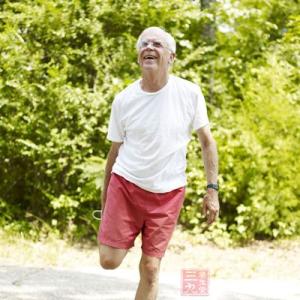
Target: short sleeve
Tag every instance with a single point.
(200, 116)
(116, 131)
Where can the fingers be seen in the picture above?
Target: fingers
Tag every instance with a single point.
(212, 216)
(210, 209)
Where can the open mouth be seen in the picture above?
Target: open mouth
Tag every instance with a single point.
(150, 57)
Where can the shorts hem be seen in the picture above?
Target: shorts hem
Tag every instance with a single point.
(115, 244)
(157, 255)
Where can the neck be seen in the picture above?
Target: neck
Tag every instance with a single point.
(153, 82)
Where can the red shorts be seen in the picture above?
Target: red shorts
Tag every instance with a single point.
(130, 210)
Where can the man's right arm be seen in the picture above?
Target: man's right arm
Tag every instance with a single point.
(111, 158)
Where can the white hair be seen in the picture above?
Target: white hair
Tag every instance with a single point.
(168, 38)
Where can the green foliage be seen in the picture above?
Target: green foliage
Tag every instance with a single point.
(269, 123)
(256, 125)
(62, 62)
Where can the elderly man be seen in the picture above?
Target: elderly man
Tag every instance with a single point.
(150, 126)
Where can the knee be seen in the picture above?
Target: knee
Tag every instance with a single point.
(149, 272)
(108, 263)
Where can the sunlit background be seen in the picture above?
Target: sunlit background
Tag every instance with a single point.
(61, 64)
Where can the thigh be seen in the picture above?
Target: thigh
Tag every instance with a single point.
(112, 255)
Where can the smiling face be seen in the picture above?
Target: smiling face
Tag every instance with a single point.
(153, 52)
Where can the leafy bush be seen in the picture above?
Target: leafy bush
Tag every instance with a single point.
(62, 62)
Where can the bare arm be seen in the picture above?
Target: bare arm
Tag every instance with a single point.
(111, 158)
(209, 154)
(211, 204)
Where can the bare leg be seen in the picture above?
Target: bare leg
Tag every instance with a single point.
(111, 258)
(149, 275)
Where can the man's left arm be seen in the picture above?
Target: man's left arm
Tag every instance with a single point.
(211, 204)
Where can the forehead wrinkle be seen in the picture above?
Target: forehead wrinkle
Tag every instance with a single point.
(151, 40)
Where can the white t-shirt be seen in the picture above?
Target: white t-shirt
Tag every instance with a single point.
(155, 129)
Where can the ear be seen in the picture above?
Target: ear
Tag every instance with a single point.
(172, 58)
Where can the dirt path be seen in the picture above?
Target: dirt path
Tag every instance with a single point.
(277, 260)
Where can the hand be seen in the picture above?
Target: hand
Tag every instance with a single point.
(211, 206)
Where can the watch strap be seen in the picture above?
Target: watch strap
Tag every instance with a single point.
(214, 186)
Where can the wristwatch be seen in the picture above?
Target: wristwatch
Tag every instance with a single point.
(213, 186)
